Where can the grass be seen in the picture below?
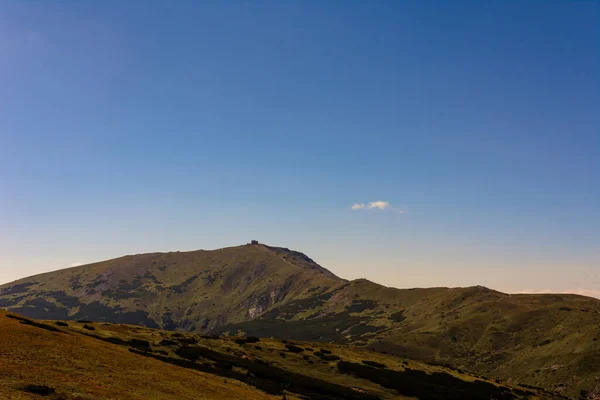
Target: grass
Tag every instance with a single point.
(236, 360)
(78, 366)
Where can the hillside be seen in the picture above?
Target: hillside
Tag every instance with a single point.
(549, 341)
(196, 290)
(66, 365)
(92, 361)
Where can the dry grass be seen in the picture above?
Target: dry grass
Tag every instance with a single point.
(84, 368)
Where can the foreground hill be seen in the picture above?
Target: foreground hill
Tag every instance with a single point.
(550, 341)
(91, 361)
(36, 362)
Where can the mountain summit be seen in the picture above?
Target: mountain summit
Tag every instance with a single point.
(196, 290)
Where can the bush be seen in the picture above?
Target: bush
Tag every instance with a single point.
(191, 353)
(60, 323)
(139, 344)
(42, 390)
(294, 349)
(26, 321)
(282, 354)
(326, 356)
(167, 342)
(115, 340)
(84, 321)
(374, 364)
(249, 339)
(188, 340)
(89, 327)
(325, 351)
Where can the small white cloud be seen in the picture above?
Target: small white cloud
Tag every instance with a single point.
(376, 205)
(382, 205)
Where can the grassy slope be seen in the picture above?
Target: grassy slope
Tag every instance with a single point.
(180, 290)
(552, 341)
(79, 367)
(109, 366)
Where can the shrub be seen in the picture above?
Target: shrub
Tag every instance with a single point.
(115, 340)
(167, 342)
(139, 344)
(325, 351)
(210, 337)
(282, 354)
(374, 364)
(326, 356)
(191, 353)
(249, 339)
(397, 316)
(26, 321)
(294, 349)
(60, 323)
(89, 327)
(188, 340)
(42, 390)
(84, 321)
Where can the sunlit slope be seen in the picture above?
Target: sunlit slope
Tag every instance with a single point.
(196, 290)
(79, 367)
(87, 360)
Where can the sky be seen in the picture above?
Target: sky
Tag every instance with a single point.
(414, 143)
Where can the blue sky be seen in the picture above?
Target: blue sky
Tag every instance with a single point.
(139, 126)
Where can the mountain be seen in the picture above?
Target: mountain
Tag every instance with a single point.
(92, 361)
(549, 341)
(197, 290)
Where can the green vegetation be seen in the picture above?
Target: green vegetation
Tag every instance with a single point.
(293, 348)
(41, 390)
(374, 364)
